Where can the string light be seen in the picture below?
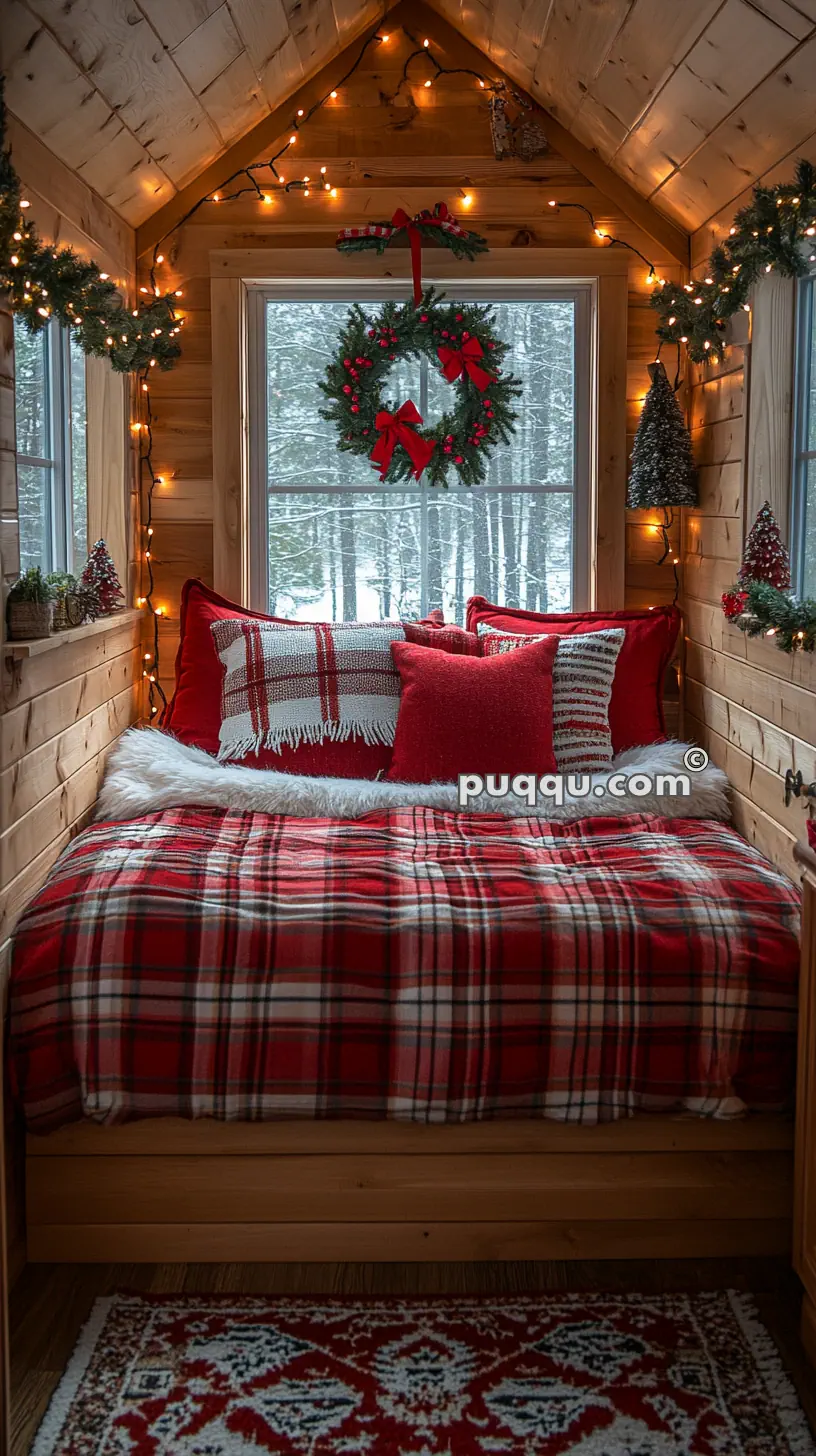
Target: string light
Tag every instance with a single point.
(606, 236)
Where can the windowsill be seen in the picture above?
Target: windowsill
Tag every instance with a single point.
(17, 651)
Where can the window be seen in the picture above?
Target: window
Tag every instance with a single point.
(325, 545)
(49, 374)
(803, 524)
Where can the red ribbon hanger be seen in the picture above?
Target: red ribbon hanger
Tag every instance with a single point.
(395, 429)
(401, 222)
(458, 361)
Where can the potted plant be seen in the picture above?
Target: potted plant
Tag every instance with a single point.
(30, 606)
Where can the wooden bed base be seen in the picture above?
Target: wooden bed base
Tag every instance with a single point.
(651, 1187)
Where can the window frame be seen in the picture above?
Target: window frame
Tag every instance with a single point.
(58, 505)
(800, 454)
(582, 293)
(233, 271)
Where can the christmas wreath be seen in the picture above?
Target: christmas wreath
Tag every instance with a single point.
(460, 339)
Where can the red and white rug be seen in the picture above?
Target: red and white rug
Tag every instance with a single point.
(551, 1375)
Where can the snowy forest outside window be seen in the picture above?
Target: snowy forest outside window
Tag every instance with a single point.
(51, 430)
(803, 533)
(334, 548)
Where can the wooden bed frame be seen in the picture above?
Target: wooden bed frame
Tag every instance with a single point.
(649, 1187)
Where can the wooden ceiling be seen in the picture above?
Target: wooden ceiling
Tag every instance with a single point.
(688, 100)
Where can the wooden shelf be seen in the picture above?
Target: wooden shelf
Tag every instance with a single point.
(19, 650)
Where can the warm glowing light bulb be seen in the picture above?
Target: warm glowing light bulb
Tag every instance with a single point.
(160, 258)
(333, 95)
(482, 84)
(427, 84)
(267, 199)
(300, 111)
(292, 139)
(333, 192)
(323, 171)
(426, 43)
(552, 202)
(15, 260)
(385, 37)
(104, 277)
(24, 202)
(305, 192)
(599, 233)
(467, 199)
(216, 197)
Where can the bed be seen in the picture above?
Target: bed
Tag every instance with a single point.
(414, 1033)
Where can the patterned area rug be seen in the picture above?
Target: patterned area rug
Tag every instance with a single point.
(587, 1375)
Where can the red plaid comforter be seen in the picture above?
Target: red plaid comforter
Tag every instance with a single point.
(413, 964)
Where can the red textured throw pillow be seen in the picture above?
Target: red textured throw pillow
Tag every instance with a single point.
(443, 639)
(636, 705)
(194, 712)
(485, 715)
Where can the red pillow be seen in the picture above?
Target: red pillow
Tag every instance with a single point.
(636, 705)
(485, 715)
(194, 711)
(443, 639)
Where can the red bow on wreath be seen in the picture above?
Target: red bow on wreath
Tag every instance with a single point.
(455, 361)
(396, 430)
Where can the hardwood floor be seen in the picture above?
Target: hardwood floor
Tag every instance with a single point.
(51, 1301)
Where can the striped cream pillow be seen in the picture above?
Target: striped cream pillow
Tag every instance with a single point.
(582, 686)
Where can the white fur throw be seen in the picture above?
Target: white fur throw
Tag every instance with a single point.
(148, 771)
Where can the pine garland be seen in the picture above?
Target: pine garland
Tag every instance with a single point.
(775, 231)
(44, 284)
(466, 434)
(767, 611)
(379, 235)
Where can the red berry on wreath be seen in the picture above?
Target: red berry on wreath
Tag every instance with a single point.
(444, 334)
(355, 409)
(423, 318)
(465, 334)
(490, 414)
(490, 344)
(346, 363)
(383, 343)
(372, 333)
(459, 317)
(457, 459)
(347, 389)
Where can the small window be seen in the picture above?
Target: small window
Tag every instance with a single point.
(803, 525)
(52, 474)
(327, 542)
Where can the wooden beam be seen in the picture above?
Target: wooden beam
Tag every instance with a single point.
(456, 51)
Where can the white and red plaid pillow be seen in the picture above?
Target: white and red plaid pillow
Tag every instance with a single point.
(582, 686)
(292, 685)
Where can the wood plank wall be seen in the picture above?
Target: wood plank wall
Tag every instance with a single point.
(61, 711)
(749, 704)
(423, 147)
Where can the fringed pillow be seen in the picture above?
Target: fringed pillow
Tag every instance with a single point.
(582, 687)
(285, 687)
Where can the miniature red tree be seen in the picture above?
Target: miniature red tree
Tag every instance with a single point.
(100, 581)
(764, 557)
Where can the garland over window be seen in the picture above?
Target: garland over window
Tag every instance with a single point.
(776, 232)
(44, 283)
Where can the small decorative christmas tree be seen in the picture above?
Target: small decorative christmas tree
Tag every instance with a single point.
(764, 557)
(663, 472)
(101, 583)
